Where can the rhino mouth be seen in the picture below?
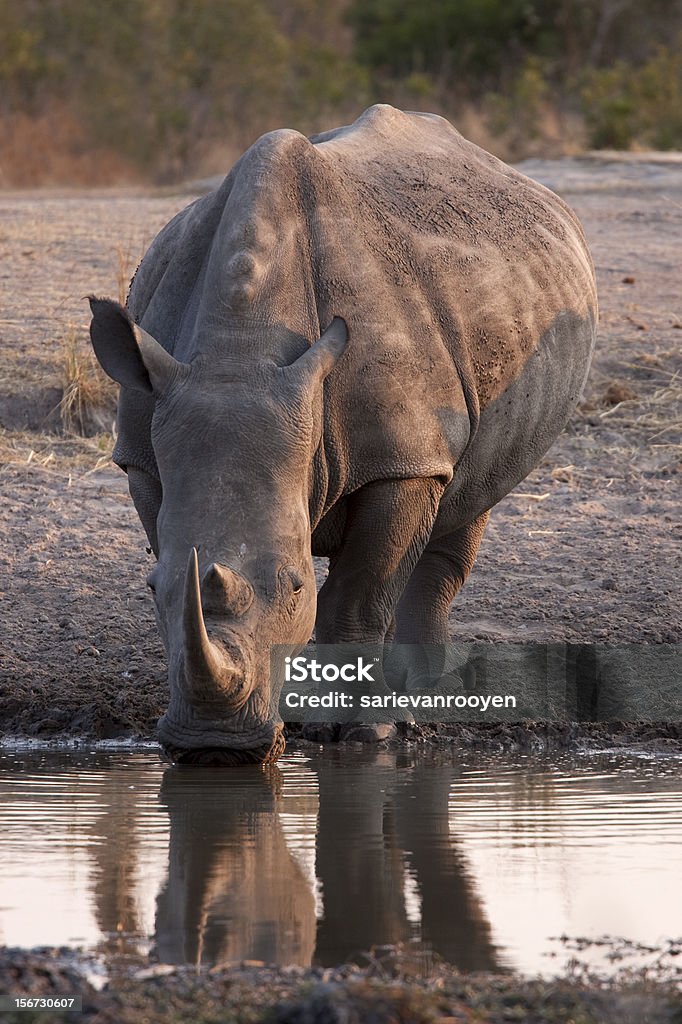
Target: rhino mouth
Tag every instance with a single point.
(224, 757)
(264, 750)
(218, 758)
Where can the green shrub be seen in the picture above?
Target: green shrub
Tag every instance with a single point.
(624, 105)
(659, 96)
(609, 107)
(522, 108)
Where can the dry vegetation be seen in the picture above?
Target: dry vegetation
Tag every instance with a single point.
(88, 402)
(89, 396)
(158, 91)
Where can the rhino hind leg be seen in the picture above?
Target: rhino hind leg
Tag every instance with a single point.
(440, 574)
(422, 612)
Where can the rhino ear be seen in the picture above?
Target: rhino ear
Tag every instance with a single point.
(321, 358)
(127, 353)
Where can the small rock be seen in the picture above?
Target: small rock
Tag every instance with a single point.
(293, 971)
(155, 971)
(618, 392)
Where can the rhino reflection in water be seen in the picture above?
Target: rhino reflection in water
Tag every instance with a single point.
(401, 813)
(235, 891)
(253, 439)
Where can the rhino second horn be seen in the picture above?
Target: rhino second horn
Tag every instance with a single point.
(210, 674)
(225, 590)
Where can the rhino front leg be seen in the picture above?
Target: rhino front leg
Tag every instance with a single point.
(387, 528)
(386, 531)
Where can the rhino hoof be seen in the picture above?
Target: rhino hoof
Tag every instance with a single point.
(368, 732)
(320, 732)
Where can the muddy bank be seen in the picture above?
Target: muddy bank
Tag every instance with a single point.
(88, 724)
(385, 991)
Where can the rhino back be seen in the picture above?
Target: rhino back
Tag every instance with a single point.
(473, 291)
(451, 269)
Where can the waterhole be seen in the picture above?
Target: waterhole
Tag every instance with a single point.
(481, 862)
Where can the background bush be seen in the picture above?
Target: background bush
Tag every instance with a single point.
(162, 89)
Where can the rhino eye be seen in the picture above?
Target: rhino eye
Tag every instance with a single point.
(292, 579)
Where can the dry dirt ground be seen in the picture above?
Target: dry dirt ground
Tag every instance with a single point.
(587, 548)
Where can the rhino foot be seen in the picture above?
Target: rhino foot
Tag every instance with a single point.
(321, 732)
(352, 732)
(367, 732)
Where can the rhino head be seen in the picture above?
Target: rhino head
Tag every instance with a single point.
(228, 519)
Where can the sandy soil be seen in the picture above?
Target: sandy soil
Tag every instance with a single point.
(587, 548)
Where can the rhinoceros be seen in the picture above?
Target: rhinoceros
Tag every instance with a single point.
(353, 348)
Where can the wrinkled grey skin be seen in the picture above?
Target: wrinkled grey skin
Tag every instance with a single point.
(460, 308)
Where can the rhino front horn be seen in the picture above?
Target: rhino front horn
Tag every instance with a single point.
(211, 675)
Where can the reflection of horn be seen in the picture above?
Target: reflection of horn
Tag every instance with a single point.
(211, 675)
(233, 891)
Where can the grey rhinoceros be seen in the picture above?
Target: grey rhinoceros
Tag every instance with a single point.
(354, 348)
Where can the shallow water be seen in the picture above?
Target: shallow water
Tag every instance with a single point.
(482, 862)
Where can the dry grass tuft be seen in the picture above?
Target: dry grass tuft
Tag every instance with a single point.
(89, 398)
(660, 411)
(61, 455)
(644, 431)
(88, 403)
(125, 268)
